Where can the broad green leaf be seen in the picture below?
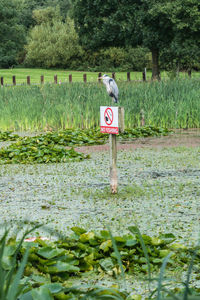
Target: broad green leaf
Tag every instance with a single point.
(106, 264)
(62, 267)
(177, 246)
(106, 246)
(167, 237)
(85, 237)
(42, 293)
(49, 252)
(163, 253)
(131, 243)
(78, 230)
(156, 241)
(54, 288)
(26, 296)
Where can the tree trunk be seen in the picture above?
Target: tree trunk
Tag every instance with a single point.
(155, 64)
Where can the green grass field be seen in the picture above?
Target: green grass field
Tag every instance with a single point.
(63, 75)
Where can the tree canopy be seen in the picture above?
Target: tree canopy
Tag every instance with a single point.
(12, 36)
(155, 24)
(52, 42)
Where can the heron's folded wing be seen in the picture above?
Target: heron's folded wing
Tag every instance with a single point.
(113, 87)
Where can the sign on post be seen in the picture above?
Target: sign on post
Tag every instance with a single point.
(112, 122)
(109, 119)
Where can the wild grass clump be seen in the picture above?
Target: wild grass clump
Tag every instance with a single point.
(171, 104)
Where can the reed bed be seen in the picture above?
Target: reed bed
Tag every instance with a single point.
(172, 104)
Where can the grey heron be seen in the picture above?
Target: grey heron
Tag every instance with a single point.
(111, 87)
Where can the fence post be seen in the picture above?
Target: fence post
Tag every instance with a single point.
(28, 80)
(113, 75)
(42, 79)
(190, 73)
(1, 81)
(70, 78)
(14, 80)
(128, 76)
(144, 77)
(55, 79)
(85, 78)
(99, 79)
(142, 119)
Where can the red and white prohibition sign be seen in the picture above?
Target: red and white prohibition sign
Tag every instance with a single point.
(108, 116)
(109, 119)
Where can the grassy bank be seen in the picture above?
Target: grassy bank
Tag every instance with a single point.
(77, 76)
(62, 75)
(172, 104)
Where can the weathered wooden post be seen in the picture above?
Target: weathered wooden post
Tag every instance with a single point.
(1, 81)
(85, 78)
(70, 78)
(55, 79)
(99, 79)
(14, 80)
(113, 75)
(128, 76)
(142, 119)
(113, 163)
(144, 75)
(28, 80)
(42, 79)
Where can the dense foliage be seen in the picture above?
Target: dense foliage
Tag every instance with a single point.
(12, 36)
(8, 136)
(40, 269)
(49, 148)
(154, 24)
(111, 29)
(56, 43)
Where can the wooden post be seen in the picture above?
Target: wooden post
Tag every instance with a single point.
(42, 79)
(128, 76)
(85, 78)
(113, 75)
(55, 79)
(190, 73)
(14, 80)
(28, 80)
(1, 81)
(99, 79)
(144, 76)
(113, 152)
(121, 119)
(70, 78)
(142, 119)
(113, 163)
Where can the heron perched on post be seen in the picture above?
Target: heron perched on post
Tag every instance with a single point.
(111, 87)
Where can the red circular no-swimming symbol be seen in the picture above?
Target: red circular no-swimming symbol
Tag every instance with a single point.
(108, 116)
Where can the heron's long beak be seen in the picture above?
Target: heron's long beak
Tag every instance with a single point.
(100, 77)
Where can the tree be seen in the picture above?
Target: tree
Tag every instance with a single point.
(52, 43)
(154, 24)
(185, 47)
(12, 35)
(26, 7)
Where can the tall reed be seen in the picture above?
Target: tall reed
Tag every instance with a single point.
(172, 104)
